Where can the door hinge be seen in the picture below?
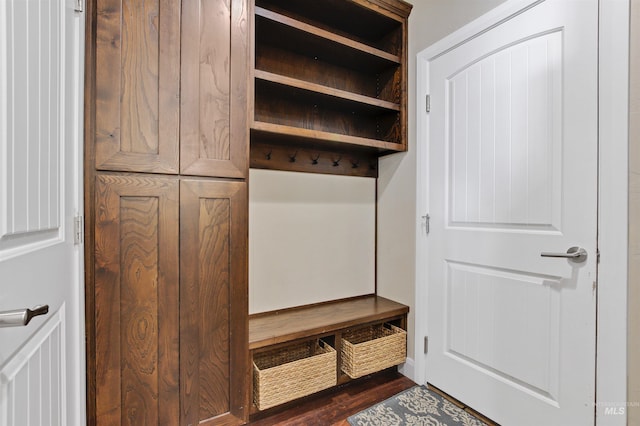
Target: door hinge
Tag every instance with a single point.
(428, 103)
(426, 218)
(78, 230)
(426, 344)
(78, 5)
(598, 256)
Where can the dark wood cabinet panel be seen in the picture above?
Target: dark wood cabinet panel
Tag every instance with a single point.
(214, 134)
(137, 84)
(136, 300)
(213, 301)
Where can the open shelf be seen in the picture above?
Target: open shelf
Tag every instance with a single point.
(370, 28)
(310, 110)
(324, 90)
(306, 32)
(375, 81)
(313, 136)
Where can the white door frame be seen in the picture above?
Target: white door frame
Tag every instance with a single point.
(611, 369)
(77, 409)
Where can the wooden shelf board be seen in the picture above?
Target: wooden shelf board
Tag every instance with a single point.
(401, 7)
(318, 32)
(353, 19)
(319, 135)
(276, 327)
(324, 90)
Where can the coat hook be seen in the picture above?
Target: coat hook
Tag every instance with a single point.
(355, 163)
(314, 160)
(336, 163)
(268, 155)
(292, 158)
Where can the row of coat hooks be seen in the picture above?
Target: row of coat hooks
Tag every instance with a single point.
(311, 159)
(314, 159)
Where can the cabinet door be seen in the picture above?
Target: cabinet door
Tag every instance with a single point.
(214, 363)
(137, 85)
(136, 300)
(214, 110)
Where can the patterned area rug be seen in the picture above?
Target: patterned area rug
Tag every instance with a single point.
(415, 406)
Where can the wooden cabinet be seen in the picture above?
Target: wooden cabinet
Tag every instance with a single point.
(166, 208)
(174, 93)
(170, 87)
(329, 84)
(136, 300)
(213, 301)
(170, 300)
(213, 131)
(137, 85)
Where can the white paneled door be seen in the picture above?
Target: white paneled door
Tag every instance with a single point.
(512, 174)
(41, 364)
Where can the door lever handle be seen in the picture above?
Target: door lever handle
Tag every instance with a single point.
(21, 317)
(574, 254)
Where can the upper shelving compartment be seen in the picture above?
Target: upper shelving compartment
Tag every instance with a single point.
(330, 77)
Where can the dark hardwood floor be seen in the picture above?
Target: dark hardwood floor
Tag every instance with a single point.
(334, 406)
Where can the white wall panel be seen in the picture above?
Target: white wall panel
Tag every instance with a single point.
(30, 84)
(32, 384)
(506, 172)
(311, 238)
(487, 155)
(506, 323)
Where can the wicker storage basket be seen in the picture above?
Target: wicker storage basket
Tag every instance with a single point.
(373, 348)
(281, 375)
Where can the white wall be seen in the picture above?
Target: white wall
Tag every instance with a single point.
(430, 21)
(311, 238)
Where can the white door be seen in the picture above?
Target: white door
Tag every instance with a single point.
(512, 173)
(42, 370)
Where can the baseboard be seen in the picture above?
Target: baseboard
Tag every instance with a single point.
(408, 369)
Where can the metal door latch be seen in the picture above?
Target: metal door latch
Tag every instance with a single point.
(574, 254)
(426, 219)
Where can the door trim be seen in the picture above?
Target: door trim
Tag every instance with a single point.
(613, 194)
(611, 350)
